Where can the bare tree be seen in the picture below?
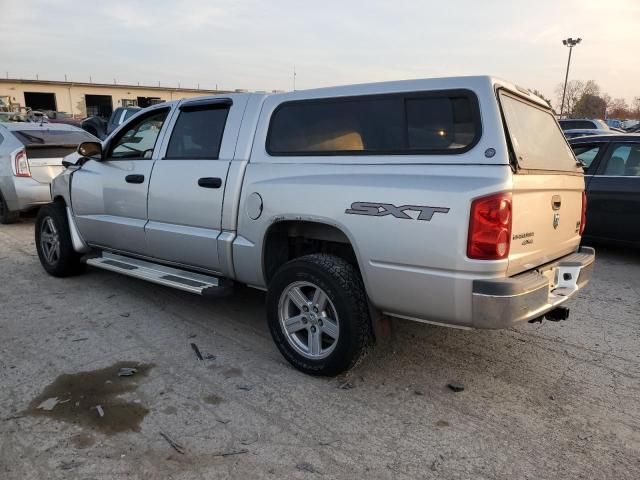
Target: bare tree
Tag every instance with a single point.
(575, 89)
(619, 109)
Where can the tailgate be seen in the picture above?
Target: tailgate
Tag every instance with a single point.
(547, 186)
(546, 219)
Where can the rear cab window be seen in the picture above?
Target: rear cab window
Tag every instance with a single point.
(536, 139)
(439, 122)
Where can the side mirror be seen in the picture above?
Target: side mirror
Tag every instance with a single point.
(92, 150)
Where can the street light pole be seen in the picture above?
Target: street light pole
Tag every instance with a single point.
(569, 42)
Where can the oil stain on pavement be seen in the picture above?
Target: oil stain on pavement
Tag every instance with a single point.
(91, 399)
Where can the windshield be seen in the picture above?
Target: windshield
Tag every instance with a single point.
(53, 137)
(537, 141)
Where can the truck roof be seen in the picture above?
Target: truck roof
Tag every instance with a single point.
(438, 83)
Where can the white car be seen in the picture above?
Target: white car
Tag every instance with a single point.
(30, 156)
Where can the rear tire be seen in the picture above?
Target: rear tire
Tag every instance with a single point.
(53, 242)
(318, 314)
(6, 215)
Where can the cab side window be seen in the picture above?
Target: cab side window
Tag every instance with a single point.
(197, 134)
(586, 154)
(624, 161)
(138, 140)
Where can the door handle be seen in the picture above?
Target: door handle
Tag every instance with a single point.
(134, 178)
(210, 182)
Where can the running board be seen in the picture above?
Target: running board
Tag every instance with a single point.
(171, 277)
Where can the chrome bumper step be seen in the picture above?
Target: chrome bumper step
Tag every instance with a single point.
(161, 274)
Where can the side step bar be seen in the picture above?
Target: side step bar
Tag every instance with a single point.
(171, 277)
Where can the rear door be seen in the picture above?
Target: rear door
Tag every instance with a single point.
(614, 194)
(110, 196)
(547, 186)
(188, 182)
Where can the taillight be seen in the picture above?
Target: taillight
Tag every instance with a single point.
(583, 215)
(21, 164)
(490, 227)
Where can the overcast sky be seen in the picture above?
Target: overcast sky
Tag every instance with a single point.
(255, 43)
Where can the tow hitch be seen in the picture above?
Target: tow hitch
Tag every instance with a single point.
(557, 314)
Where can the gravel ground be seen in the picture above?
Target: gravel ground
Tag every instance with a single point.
(549, 401)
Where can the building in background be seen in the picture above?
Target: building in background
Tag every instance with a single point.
(86, 99)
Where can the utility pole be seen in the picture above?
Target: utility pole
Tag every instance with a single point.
(294, 77)
(569, 42)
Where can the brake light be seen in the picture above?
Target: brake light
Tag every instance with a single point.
(21, 164)
(583, 214)
(490, 227)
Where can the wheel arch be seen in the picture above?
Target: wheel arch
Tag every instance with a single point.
(287, 239)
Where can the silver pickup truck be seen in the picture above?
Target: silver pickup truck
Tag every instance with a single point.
(453, 201)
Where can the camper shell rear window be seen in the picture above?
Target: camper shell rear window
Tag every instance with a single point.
(536, 139)
(436, 122)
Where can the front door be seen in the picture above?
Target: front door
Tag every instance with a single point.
(110, 196)
(188, 182)
(614, 194)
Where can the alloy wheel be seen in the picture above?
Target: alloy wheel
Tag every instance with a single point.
(309, 320)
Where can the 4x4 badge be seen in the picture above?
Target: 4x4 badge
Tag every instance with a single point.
(556, 220)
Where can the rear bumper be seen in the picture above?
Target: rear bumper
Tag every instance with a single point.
(26, 193)
(501, 303)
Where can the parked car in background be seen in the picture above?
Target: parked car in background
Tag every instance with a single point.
(15, 117)
(101, 128)
(454, 201)
(62, 117)
(30, 156)
(583, 133)
(583, 124)
(614, 123)
(612, 178)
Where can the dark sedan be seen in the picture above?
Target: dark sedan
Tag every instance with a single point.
(612, 178)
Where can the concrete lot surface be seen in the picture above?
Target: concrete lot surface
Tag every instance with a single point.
(550, 401)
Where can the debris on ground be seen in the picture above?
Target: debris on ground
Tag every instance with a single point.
(192, 335)
(197, 350)
(100, 410)
(345, 385)
(80, 339)
(230, 452)
(64, 465)
(127, 372)
(442, 423)
(49, 404)
(244, 386)
(209, 356)
(175, 445)
(125, 314)
(306, 467)
(418, 392)
(250, 441)
(456, 387)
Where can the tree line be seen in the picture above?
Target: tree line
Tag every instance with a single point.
(586, 100)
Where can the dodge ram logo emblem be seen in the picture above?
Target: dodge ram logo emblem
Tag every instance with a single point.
(556, 220)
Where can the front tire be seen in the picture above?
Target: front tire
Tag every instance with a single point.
(53, 242)
(318, 314)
